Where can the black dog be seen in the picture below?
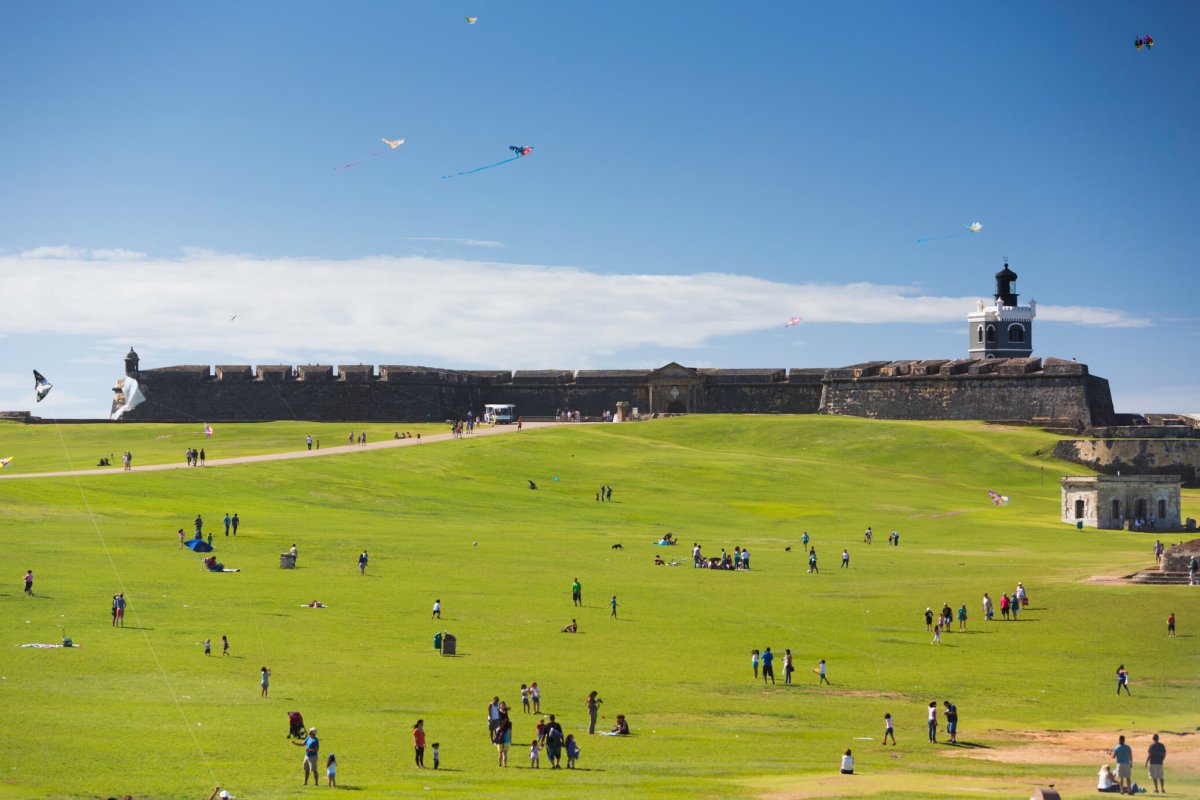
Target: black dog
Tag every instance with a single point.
(617, 547)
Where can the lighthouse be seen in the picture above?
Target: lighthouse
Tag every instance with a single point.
(1002, 329)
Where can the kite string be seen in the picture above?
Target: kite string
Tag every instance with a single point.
(136, 617)
(480, 169)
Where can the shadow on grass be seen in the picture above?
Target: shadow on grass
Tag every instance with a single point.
(133, 628)
(970, 745)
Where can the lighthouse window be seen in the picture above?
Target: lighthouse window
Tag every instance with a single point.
(991, 333)
(979, 333)
(1016, 333)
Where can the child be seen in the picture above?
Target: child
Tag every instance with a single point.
(754, 662)
(533, 755)
(572, 751)
(266, 681)
(535, 694)
(437, 609)
(1171, 625)
(331, 769)
(820, 670)
(208, 647)
(224, 645)
(937, 634)
(524, 698)
(888, 729)
(436, 760)
(181, 538)
(848, 759)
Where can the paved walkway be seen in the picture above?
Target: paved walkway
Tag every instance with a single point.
(384, 444)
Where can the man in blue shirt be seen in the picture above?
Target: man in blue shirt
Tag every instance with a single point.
(227, 521)
(1123, 753)
(312, 747)
(768, 671)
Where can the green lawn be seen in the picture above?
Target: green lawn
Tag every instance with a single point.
(142, 711)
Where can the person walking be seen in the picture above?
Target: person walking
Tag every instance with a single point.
(437, 609)
(768, 668)
(1122, 680)
(28, 583)
(1123, 754)
(788, 667)
(202, 456)
(754, 662)
(1171, 626)
(820, 670)
(554, 742)
(419, 743)
(308, 441)
(845, 558)
(929, 619)
(236, 522)
(224, 645)
(613, 604)
(932, 720)
(1155, 755)
(962, 617)
(312, 748)
(889, 729)
(493, 714)
(535, 697)
(593, 709)
(1004, 604)
(127, 460)
(199, 524)
(265, 681)
(988, 611)
(576, 592)
(362, 563)
(812, 560)
(228, 521)
(119, 610)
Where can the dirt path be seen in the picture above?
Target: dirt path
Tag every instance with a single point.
(328, 451)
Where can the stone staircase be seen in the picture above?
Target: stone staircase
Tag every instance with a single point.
(1159, 577)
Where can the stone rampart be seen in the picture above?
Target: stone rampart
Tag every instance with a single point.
(1136, 456)
(1029, 390)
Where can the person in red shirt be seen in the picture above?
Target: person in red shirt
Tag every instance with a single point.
(419, 743)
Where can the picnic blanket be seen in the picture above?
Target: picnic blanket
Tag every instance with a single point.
(46, 646)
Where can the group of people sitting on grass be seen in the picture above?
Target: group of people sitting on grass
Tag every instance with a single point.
(739, 559)
(405, 435)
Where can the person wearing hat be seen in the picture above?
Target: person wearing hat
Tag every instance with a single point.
(312, 747)
(220, 793)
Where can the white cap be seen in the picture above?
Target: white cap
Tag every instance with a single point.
(224, 795)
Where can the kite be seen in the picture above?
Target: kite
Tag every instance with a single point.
(997, 498)
(974, 227)
(4, 462)
(392, 145)
(41, 385)
(1143, 40)
(208, 430)
(520, 150)
(126, 397)
(471, 20)
(793, 321)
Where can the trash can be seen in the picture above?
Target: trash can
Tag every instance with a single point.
(449, 644)
(437, 641)
(1079, 525)
(287, 561)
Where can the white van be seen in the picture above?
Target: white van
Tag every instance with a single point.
(499, 413)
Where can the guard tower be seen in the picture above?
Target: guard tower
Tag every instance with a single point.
(1002, 329)
(131, 363)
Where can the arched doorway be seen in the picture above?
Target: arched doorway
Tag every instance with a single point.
(676, 407)
(1079, 506)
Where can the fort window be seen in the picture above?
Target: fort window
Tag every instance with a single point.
(979, 333)
(1116, 509)
(1016, 333)
(1141, 508)
(1162, 509)
(1079, 509)
(991, 333)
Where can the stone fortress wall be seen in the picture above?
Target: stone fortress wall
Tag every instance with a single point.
(1052, 392)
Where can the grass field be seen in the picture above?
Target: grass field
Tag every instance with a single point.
(140, 710)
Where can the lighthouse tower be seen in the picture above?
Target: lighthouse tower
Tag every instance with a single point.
(1003, 329)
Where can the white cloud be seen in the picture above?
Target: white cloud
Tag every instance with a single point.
(433, 310)
(66, 251)
(452, 240)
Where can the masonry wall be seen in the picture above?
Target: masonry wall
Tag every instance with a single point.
(1136, 456)
(1071, 401)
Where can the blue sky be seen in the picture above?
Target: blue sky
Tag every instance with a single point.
(701, 173)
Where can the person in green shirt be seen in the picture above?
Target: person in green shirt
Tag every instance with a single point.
(577, 592)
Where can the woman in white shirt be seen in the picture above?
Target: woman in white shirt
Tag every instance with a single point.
(1108, 781)
(847, 764)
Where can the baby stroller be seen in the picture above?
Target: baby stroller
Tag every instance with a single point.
(296, 725)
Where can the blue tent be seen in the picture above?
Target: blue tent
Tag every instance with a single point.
(199, 546)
